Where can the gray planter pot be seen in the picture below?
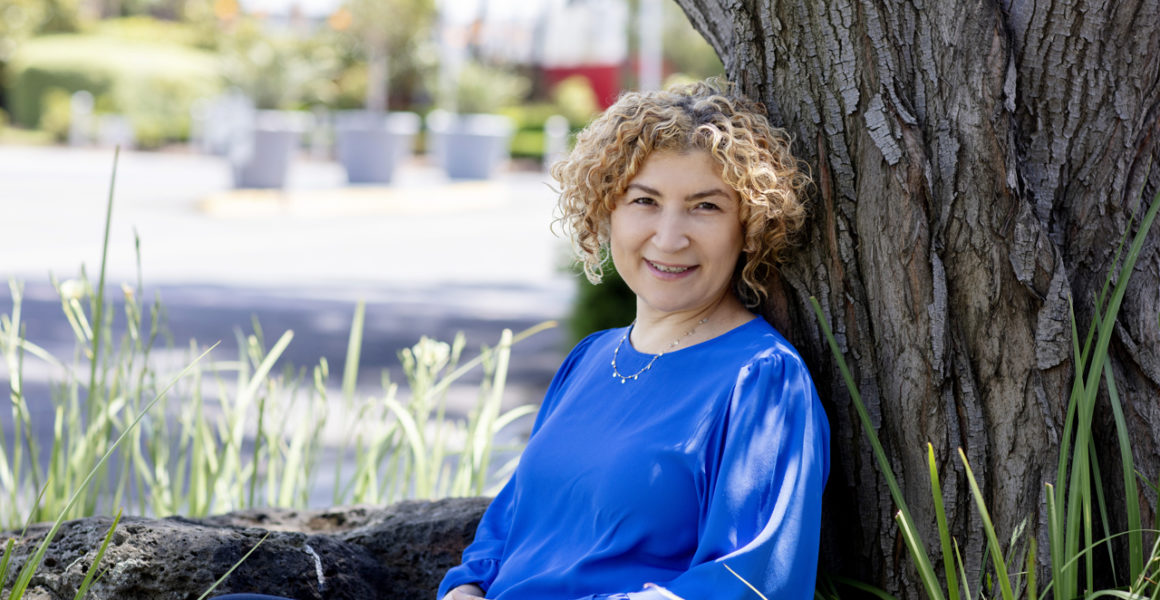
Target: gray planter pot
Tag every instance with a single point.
(261, 156)
(370, 145)
(473, 146)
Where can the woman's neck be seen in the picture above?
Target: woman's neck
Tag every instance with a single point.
(654, 331)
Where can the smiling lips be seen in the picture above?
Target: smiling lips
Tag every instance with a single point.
(668, 270)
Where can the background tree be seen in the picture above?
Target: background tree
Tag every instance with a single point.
(393, 37)
(976, 164)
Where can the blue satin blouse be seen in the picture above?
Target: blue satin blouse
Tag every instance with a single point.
(715, 456)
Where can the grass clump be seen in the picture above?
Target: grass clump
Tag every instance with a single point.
(236, 433)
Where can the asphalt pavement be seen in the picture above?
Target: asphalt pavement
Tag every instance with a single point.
(429, 255)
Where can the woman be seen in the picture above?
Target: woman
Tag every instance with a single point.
(691, 443)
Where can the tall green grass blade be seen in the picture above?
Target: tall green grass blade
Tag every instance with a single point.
(92, 571)
(263, 371)
(1060, 530)
(99, 304)
(40, 353)
(446, 382)
(353, 350)
(914, 543)
(918, 548)
(1101, 504)
(1032, 567)
(6, 559)
(1086, 512)
(963, 572)
(415, 445)
(349, 380)
(1131, 492)
(989, 529)
(258, 436)
(944, 532)
(1156, 512)
(9, 471)
(513, 415)
(222, 579)
(1078, 518)
(485, 433)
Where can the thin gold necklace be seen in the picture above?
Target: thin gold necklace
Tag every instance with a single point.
(623, 378)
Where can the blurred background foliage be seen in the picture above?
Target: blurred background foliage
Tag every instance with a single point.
(389, 48)
(151, 61)
(279, 70)
(154, 84)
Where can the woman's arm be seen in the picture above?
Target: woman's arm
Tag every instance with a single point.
(481, 558)
(763, 514)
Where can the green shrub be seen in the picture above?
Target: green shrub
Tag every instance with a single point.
(528, 143)
(153, 84)
(609, 304)
(576, 101)
(352, 87)
(529, 116)
(56, 114)
(487, 89)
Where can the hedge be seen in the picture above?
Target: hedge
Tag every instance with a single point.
(153, 84)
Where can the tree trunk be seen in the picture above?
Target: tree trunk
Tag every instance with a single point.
(976, 164)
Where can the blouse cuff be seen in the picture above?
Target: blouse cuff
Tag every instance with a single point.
(479, 572)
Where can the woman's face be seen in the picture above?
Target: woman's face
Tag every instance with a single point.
(676, 233)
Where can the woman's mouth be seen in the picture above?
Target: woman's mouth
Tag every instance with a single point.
(669, 269)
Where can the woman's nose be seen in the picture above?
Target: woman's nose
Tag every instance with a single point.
(671, 233)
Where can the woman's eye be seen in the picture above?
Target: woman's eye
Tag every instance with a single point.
(643, 200)
(707, 206)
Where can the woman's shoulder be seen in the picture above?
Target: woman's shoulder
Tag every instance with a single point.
(756, 341)
(597, 340)
(591, 344)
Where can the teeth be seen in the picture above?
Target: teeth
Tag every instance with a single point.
(668, 269)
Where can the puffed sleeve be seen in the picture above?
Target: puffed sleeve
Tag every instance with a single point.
(763, 514)
(481, 558)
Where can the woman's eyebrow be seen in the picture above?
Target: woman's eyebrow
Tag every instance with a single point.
(644, 188)
(708, 193)
(695, 196)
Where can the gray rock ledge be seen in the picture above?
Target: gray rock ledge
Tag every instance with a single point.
(399, 552)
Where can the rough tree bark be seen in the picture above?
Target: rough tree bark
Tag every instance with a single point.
(976, 164)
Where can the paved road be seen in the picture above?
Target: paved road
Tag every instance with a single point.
(430, 256)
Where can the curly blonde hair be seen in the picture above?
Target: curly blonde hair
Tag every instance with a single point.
(755, 161)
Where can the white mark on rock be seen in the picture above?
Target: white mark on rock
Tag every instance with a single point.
(317, 565)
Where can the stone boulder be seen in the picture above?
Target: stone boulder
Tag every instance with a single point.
(399, 552)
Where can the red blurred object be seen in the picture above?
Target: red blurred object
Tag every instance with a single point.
(605, 80)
